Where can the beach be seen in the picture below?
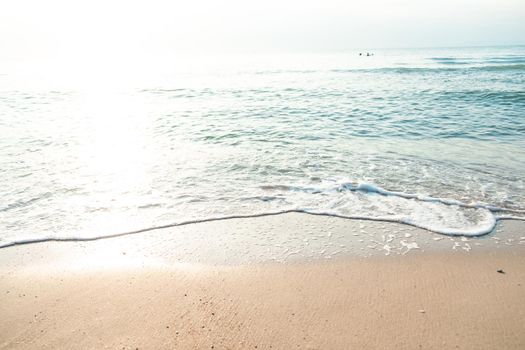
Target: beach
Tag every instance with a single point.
(273, 175)
(323, 200)
(106, 295)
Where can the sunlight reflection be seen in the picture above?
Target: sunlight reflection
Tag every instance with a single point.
(116, 143)
(114, 153)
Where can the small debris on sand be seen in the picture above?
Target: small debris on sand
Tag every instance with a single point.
(501, 271)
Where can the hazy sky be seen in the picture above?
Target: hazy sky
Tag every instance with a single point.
(38, 28)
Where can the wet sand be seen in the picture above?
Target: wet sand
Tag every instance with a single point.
(55, 297)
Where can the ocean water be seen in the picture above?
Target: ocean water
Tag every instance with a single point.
(433, 138)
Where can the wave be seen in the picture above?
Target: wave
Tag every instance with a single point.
(483, 61)
(408, 70)
(441, 67)
(502, 67)
(24, 203)
(517, 65)
(501, 97)
(507, 60)
(364, 187)
(492, 214)
(451, 60)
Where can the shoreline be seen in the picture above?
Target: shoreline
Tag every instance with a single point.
(172, 289)
(281, 238)
(91, 238)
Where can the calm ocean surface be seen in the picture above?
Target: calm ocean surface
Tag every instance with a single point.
(431, 137)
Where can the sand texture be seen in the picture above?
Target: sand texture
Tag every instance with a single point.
(429, 300)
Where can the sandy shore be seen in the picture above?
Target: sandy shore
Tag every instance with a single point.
(430, 300)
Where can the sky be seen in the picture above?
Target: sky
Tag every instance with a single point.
(34, 29)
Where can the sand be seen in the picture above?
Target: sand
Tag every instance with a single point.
(431, 300)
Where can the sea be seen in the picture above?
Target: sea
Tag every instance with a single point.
(433, 138)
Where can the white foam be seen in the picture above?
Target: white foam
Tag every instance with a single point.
(447, 201)
(409, 246)
(440, 215)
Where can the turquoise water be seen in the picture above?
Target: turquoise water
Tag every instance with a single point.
(429, 137)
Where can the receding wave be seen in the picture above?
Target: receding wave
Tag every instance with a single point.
(364, 187)
(488, 215)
